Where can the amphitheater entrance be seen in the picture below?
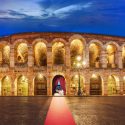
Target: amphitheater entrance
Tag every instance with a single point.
(22, 86)
(113, 85)
(6, 86)
(40, 85)
(59, 85)
(95, 85)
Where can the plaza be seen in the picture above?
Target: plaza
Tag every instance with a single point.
(85, 110)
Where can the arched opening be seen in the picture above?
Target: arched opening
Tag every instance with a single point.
(124, 85)
(58, 53)
(40, 85)
(94, 55)
(111, 56)
(76, 49)
(75, 83)
(6, 86)
(22, 86)
(58, 83)
(5, 55)
(95, 85)
(21, 54)
(40, 54)
(123, 56)
(113, 85)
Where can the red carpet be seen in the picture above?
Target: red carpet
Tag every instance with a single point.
(59, 113)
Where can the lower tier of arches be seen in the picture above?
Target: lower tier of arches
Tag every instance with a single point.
(37, 85)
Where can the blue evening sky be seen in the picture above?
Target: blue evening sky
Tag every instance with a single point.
(85, 16)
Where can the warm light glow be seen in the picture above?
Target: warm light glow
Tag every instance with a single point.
(124, 78)
(94, 76)
(78, 65)
(84, 63)
(79, 58)
(76, 76)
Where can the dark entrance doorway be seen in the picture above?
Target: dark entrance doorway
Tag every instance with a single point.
(40, 85)
(95, 85)
(58, 79)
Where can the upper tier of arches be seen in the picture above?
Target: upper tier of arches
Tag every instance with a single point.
(94, 53)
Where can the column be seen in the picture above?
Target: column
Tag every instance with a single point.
(120, 64)
(87, 83)
(103, 59)
(87, 56)
(49, 69)
(105, 85)
(67, 59)
(12, 61)
(30, 56)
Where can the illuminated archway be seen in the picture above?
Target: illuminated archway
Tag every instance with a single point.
(111, 55)
(94, 55)
(96, 85)
(76, 49)
(113, 85)
(5, 55)
(21, 53)
(124, 85)
(22, 86)
(123, 56)
(6, 86)
(58, 53)
(40, 54)
(74, 84)
(58, 79)
(40, 85)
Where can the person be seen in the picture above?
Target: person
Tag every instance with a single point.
(58, 91)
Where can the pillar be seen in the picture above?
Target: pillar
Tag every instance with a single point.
(120, 64)
(12, 61)
(103, 59)
(67, 59)
(49, 69)
(87, 56)
(30, 56)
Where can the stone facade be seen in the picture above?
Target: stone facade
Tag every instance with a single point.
(13, 70)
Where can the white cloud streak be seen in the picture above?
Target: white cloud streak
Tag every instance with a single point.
(42, 13)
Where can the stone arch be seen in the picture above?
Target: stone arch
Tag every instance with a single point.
(59, 40)
(40, 84)
(123, 55)
(112, 54)
(95, 48)
(40, 52)
(6, 86)
(74, 84)
(77, 36)
(113, 85)
(22, 86)
(123, 85)
(4, 54)
(96, 83)
(39, 40)
(58, 83)
(21, 52)
(58, 52)
(77, 49)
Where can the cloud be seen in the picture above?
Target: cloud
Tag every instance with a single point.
(42, 12)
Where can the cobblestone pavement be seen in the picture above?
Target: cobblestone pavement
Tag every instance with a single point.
(23, 110)
(98, 110)
(86, 110)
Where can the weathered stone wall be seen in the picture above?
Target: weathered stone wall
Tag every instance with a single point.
(50, 71)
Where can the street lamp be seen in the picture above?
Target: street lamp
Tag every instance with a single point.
(79, 64)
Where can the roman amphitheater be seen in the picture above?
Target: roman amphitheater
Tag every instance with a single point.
(32, 64)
